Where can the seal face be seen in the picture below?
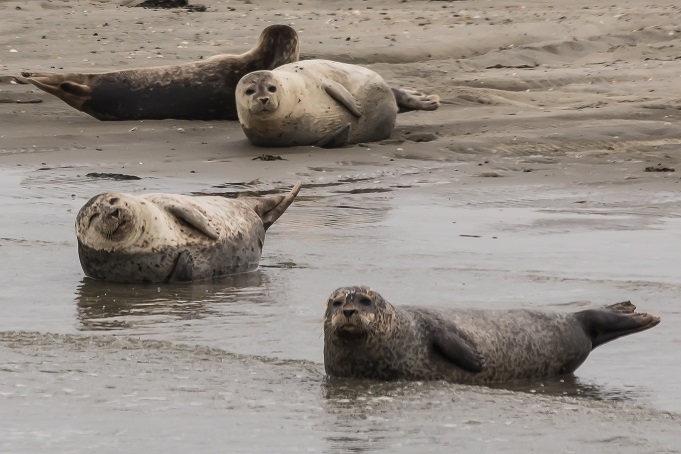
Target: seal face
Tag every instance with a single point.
(168, 237)
(367, 337)
(322, 103)
(203, 90)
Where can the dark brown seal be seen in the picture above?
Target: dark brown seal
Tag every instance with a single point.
(202, 90)
(367, 337)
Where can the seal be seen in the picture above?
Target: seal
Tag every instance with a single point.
(322, 103)
(169, 237)
(367, 337)
(202, 90)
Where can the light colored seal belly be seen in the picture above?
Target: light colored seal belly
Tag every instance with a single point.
(315, 102)
(169, 237)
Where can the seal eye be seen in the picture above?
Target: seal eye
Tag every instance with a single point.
(337, 303)
(272, 89)
(364, 301)
(250, 91)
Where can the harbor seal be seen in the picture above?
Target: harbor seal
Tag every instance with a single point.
(322, 103)
(202, 90)
(169, 237)
(367, 337)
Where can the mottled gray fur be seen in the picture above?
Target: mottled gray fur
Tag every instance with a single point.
(367, 337)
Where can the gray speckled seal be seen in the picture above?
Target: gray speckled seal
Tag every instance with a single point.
(367, 337)
(202, 90)
(322, 103)
(169, 237)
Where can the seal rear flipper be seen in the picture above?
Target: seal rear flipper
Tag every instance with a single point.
(410, 100)
(610, 322)
(336, 139)
(343, 96)
(196, 219)
(72, 93)
(184, 268)
(271, 208)
(457, 350)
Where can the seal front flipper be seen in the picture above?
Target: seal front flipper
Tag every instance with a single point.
(183, 270)
(336, 139)
(343, 96)
(457, 350)
(195, 218)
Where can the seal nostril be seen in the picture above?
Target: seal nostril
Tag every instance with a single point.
(115, 213)
(264, 100)
(349, 312)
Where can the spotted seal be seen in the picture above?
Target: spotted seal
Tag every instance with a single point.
(202, 90)
(169, 237)
(323, 103)
(367, 337)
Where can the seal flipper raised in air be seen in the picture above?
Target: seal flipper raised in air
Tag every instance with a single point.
(608, 323)
(271, 208)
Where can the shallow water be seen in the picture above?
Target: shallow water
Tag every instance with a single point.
(237, 361)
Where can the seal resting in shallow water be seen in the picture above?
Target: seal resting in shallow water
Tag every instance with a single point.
(367, 337)
(203, 90)
(169, 237)
(322, 103)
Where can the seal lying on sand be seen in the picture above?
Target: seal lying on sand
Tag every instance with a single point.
(203, 90)
(367, 337)
(322, 103)
(168, 237)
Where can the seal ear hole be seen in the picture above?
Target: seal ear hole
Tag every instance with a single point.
(250, 91)
(272, 89)
(364, 301)
(337, 303)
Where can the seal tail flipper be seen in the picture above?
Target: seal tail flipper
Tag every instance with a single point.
(610, 322)
(410, 100)
(271, 208)
(69, 88)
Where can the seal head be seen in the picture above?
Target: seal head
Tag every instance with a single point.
(109, 219)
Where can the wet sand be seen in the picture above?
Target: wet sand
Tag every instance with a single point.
(528, 188)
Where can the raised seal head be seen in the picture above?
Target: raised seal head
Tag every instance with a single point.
(355, 312)
(259, 93)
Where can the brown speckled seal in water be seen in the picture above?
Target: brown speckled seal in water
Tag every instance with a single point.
(169, 237)
(202, 90)
(367, 337)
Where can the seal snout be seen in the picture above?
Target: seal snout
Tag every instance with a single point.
(349, 312)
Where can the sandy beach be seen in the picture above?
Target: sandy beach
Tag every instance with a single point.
(548, 178)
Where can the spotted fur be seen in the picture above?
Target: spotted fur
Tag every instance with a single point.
(161, 237)
(367, 337)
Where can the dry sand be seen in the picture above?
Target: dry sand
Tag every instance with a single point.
(567, 103)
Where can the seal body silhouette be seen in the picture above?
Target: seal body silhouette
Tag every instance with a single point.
(367, 337)
(202, 90)
(322, 103)
(169, 237)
